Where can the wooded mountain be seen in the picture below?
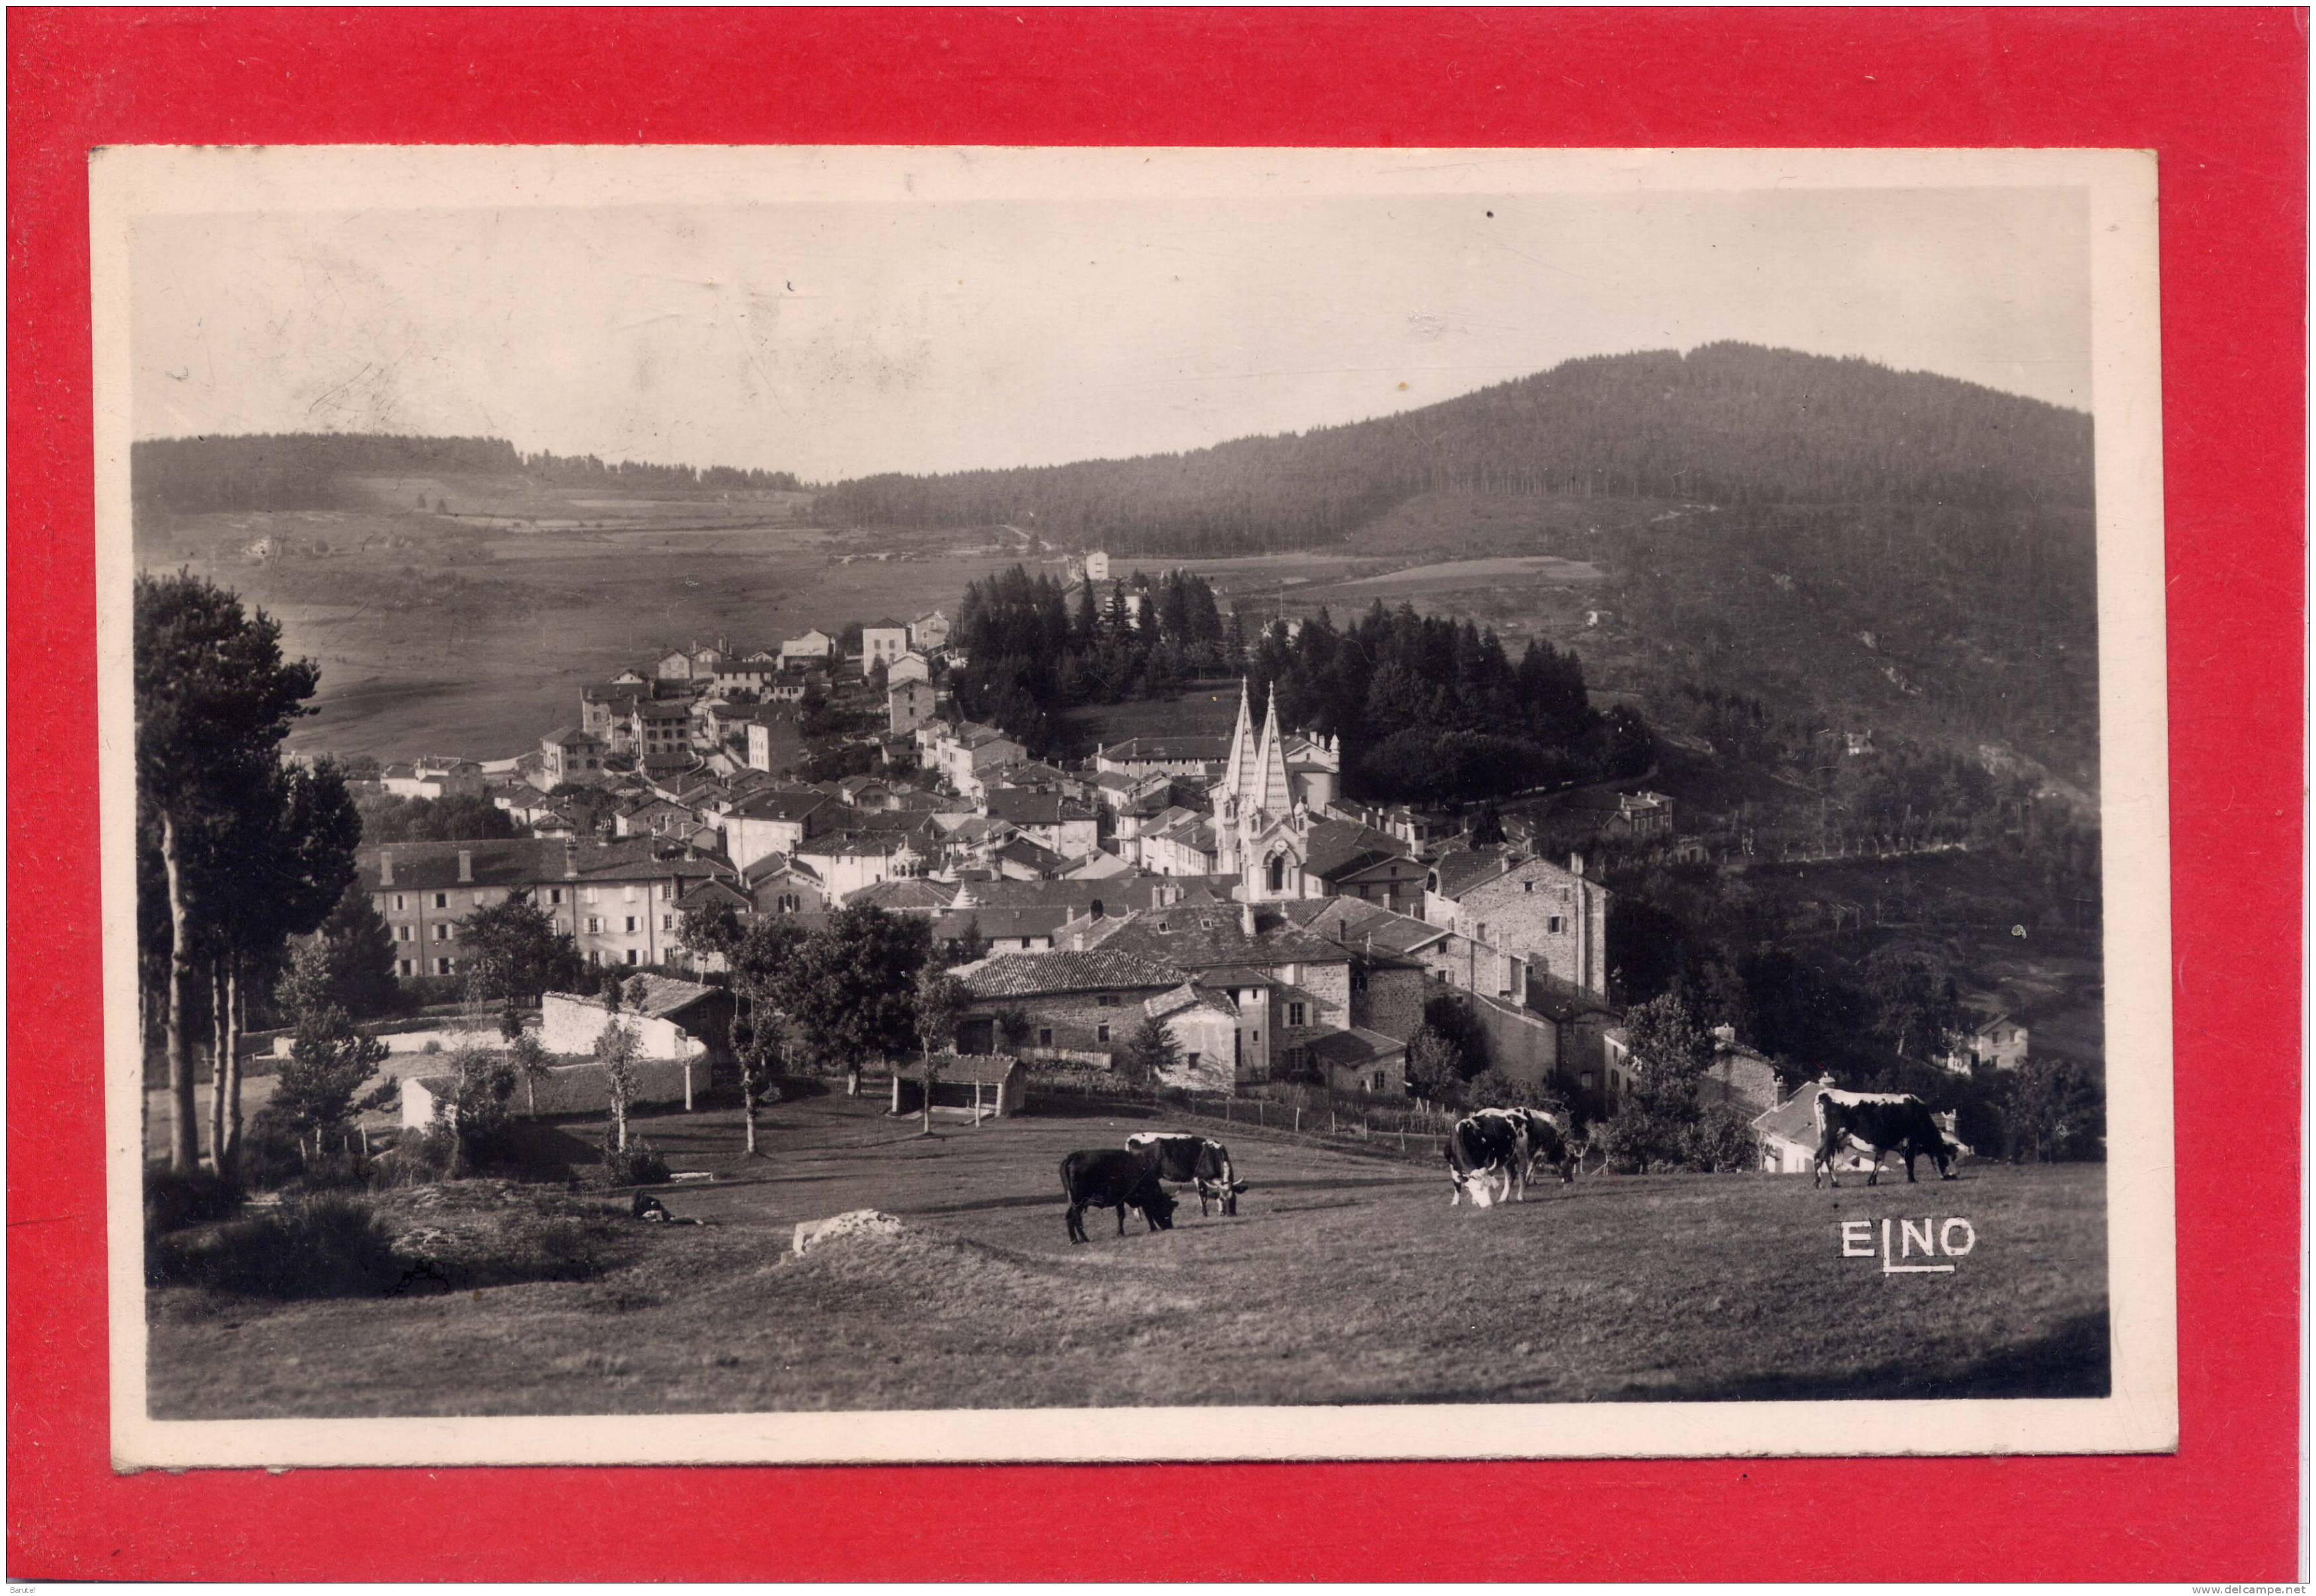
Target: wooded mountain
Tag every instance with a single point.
(1730, 423)
(304, 470)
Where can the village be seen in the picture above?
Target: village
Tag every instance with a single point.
(1287, 939)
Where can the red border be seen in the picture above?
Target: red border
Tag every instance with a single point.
(2220, 94)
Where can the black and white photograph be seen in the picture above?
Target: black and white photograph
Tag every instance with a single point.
(842, 805)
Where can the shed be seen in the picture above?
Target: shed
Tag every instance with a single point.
(970, 1086)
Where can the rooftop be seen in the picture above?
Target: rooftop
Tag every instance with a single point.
(1046, 975)
(528, 861)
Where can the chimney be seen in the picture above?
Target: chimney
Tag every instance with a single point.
(1727, 1034)
(570, 859)
(466, 864)
(1246, 918)
(386, 867)
(1576, 864)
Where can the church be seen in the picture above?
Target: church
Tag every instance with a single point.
(1261, 809)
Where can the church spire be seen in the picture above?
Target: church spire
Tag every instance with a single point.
(1242, 748)
(1267, 786)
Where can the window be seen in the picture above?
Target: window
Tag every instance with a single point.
(666, 891)
(631, 926)
(1528, 887)
(587, 894)
(595, 925)
(1108, 1000)
(1551, 924)
(406, 967)
(554, 895)
(1192, 1059)
(402, 933)
(441, 931)
(1101, 1033)
(594, 956)
(1025, 944)
(441, 967)
(1044, 1036)
(631, 956)
(400, 902)
(667, 923)
(441, 900)
(1293, 1013)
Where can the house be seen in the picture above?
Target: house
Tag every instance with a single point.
(670, 1018)
(911, 666)
(928, 632)
(1064, 826)
(567, 1090)
(973, 750)
(752, 673)
(864, 792)
(1521, 911)
(762, 735)
(849, 862)
(1642, 815)
(1196, 756)
(1025, 859)
(1391, 959)
(882, 645)
(1787, 1132)
(652, 818)
(607, 708)
(1361, 1060)
(908, 705)
(777, 820)
(660, 733)
(778, 884)
(567, 754)
(1028, 928)
(616, 900)
(1097, 565)
(1997, 1040)
(904, 894)
(1077, 1001)
(1177, 841)
(1348, 859)
(815, 648)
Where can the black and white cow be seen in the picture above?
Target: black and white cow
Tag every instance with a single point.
(1110, 1178)
(1485, 1150)
(1192, 1161)
(1881, 1122)
(1550, 1143)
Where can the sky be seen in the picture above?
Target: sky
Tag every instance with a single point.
(838, 340)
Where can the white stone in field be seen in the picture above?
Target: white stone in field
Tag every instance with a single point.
(811, 1233)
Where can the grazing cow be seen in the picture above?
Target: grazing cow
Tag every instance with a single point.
(1192, 1161)
(1549, 1144)
(1882, 1122)
(1107, 1178)
(1483, 1149)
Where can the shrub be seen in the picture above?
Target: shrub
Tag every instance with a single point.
(639, 1164)
(1491, 1088)
(174, 1198)
(1721, 1138)
(323, 1246)
(430, 1045)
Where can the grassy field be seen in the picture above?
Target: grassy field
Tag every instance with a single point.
(1343, 1280)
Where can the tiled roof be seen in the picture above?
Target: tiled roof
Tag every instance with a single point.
(528, 861)
(1362, 926)
(1201, 937)
(1022, 851)
(1205, 750)
(1339, 847)
(778, 805)
(710, 892)
(1046, 975)
(1023, 806)
(1000, 925)
(661, 996)
(1353, 1048)
(1460, 870)
(904, 897)
(1189, 995)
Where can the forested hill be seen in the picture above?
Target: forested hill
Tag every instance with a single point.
(1728, 423)
(307, 470)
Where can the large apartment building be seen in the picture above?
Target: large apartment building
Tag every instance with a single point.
(616, 900)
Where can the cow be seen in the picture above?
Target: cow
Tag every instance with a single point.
(1483, 1149)
(1107, 1178)
(1882, 1122)
(1192, 1161)
(1549, 1142)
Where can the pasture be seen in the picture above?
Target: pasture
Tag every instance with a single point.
(1344, 1279)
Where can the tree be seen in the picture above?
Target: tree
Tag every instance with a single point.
(2058, 1110)
(1670, 1050)
(472, 1107)
(1152, 1053)
(514, 954)
(1435, 1066)
(616, 1047)
(318, 1089)
(710, 931)
(214, 701)
(847, 990)
(531, 1064)
(940, 1001)
(358, 954)
(1014, 1028)
(760, 961)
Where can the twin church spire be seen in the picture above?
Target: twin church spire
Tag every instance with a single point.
(1255, 775)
